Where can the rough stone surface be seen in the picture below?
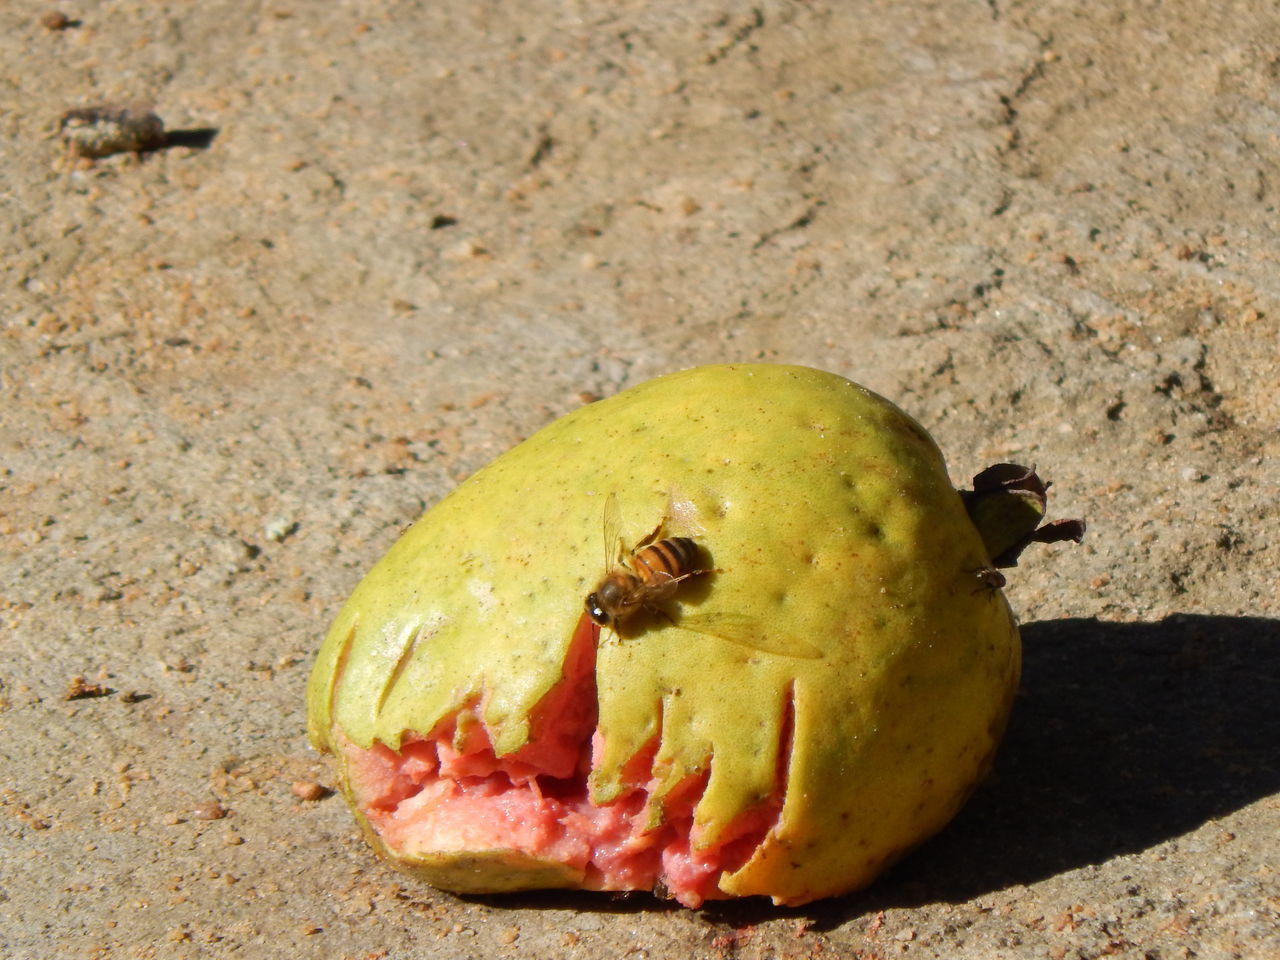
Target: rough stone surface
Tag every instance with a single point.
(389, 239)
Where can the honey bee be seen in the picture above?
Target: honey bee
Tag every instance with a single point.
(651, 575)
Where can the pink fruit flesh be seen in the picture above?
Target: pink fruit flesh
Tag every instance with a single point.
(447, 793)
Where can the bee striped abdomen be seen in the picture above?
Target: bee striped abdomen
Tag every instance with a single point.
(665, 560)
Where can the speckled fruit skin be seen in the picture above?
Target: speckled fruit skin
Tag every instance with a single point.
(830, 517)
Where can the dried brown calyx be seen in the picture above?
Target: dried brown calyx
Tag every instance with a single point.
(1007, 504)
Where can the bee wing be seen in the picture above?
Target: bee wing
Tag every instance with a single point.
(746, 632)
(612, 531)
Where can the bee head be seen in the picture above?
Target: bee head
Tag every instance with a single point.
(596, 611)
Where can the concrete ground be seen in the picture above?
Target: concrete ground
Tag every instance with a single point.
(389, 239)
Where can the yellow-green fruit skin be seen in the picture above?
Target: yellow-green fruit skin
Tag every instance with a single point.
(831, 522)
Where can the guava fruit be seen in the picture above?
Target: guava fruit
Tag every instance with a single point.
(819, 698)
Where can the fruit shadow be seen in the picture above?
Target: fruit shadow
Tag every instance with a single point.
(1123, 736)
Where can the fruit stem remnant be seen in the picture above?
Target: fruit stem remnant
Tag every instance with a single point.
(1007, 504)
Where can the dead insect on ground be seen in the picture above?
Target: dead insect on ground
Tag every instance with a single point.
(93, 132)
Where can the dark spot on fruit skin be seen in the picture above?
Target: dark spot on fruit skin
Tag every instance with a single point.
(918, 432)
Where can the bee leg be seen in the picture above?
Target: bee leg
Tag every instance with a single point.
(663, 614)
(695, 573)
(653, 535)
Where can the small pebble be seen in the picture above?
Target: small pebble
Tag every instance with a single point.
(55, 20)
(81, 689)
(209, 811)
(309, 790)
(279, 528)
